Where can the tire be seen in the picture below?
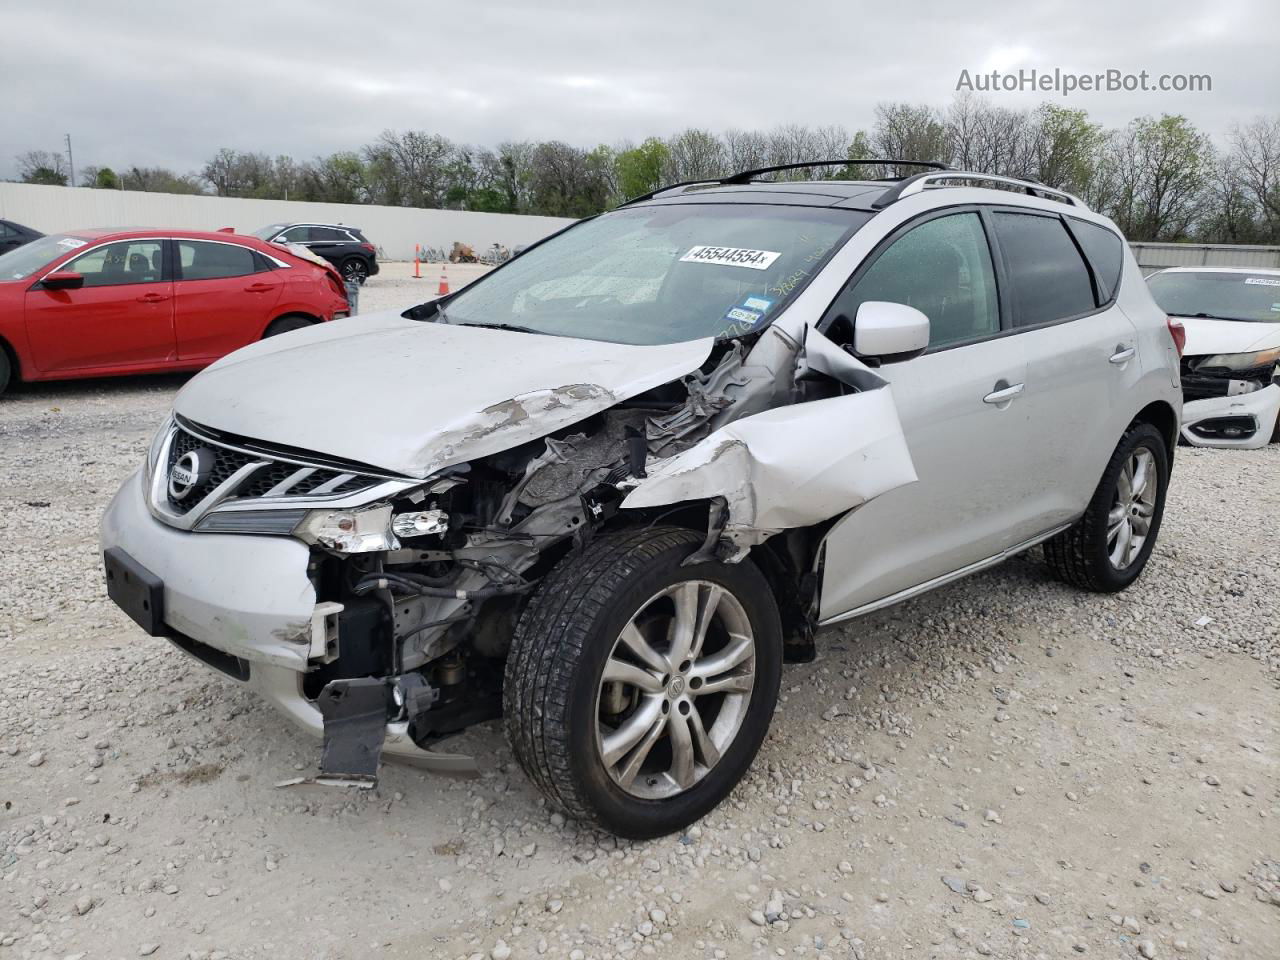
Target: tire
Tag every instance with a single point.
(1084, 554)
(6, 370)
(354, 269)
(557, 706)
(285, 324)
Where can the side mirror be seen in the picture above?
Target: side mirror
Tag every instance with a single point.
(63, 280)
(889, 332)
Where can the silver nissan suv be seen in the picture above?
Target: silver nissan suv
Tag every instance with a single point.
(605, 491)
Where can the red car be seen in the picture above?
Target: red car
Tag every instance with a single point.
(107, 302)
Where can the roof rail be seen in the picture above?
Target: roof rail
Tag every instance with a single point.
(918, 184)
(746, 176)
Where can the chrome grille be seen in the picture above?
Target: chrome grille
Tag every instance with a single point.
(270, 479)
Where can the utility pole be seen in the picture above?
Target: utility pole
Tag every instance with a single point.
(71, 160)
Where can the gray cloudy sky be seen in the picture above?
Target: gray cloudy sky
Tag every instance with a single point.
(169, 83)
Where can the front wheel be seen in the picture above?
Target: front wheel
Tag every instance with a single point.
(1107, 548)
(638, 690)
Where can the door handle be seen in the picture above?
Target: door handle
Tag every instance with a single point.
(1123, 354)
(152, 298)
(1003, 394)
(259, 287)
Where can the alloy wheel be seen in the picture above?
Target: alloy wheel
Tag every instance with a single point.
(675, 689)
(1132, 508)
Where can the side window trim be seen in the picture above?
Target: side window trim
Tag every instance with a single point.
(1052, 215)
(997, 267)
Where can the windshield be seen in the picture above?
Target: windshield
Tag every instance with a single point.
(269, 231)
(34, 256)
(661, 274)
(1228, 296)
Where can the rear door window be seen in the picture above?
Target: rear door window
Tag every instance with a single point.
(210, 261)
(1048, 279)
(329, 235)
(297, 235)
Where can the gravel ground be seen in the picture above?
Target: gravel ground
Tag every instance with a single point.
(1004, 768)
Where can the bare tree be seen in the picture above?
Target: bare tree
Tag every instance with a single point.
(695, 154)
(1255, 160)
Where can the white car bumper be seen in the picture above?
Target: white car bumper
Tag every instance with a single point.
(242, 605)
(1211, 422)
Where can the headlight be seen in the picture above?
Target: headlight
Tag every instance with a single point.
(358, 530)
(153, 452)
(1242, 361)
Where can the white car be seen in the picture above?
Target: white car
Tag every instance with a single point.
(607, 489)
(1231, 363)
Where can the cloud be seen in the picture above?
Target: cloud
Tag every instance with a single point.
(160, 83)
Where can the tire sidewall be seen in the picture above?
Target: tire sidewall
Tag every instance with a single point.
(1142, 436)
(634, 816)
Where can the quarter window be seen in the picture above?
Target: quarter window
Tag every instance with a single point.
(1048, 280)
(209, 261)
(1105, 251)
(129, 261)
(942, 268)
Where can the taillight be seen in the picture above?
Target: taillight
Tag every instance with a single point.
(1179, 334)
(369, 247)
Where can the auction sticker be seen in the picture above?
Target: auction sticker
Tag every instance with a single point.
(1258, 280)
(732, 257)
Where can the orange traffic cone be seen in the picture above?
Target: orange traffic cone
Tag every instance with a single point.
(444, 283)
(416, 274)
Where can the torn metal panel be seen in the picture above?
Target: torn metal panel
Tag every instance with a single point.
(438, 401)
(791, 466)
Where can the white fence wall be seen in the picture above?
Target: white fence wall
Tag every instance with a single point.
(1151, 255)
(393, 229)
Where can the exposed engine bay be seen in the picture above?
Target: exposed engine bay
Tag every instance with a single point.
(418, 633)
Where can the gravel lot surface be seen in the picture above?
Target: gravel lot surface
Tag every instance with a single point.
(1004, 768)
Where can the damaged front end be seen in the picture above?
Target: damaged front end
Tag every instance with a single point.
(424, 589)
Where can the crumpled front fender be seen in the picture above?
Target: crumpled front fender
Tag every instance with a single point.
(792, 466)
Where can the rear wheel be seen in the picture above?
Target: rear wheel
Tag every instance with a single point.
(1107, 548)
(355, 270)
(285, 324)
(638, 690)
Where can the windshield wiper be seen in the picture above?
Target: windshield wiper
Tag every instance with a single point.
(496, 326)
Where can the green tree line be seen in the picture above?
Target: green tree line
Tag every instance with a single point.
(1159, 178)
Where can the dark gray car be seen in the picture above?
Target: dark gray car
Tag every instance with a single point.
(345, 247)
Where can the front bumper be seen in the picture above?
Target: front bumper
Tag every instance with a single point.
(242, 597)
(1212, 421)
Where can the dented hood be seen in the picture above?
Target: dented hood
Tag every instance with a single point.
(411, 397)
